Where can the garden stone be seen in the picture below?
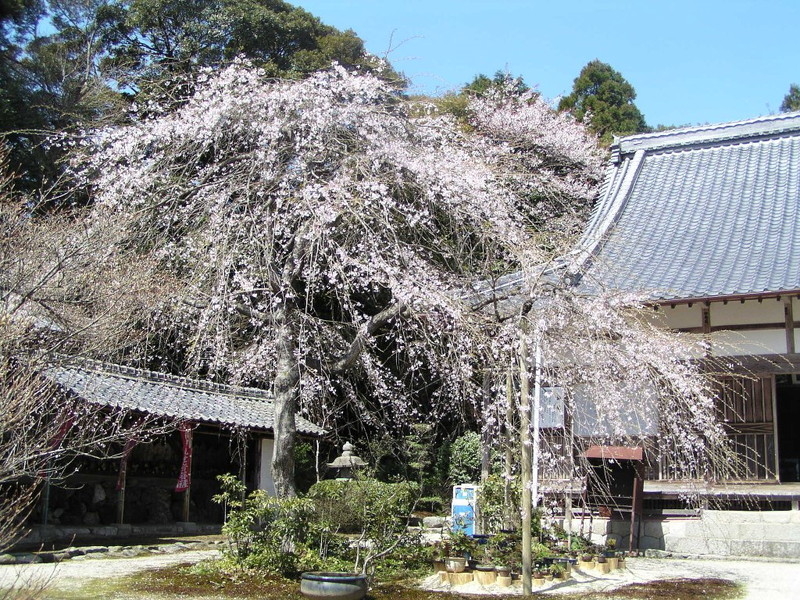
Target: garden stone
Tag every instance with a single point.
(27, 558)
(433, 522)
(7, 559)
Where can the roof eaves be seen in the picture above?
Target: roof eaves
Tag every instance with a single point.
(763, 126)
(609, 209)
(667, 301)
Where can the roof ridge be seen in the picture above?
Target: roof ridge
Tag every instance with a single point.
(167, 378)
(748, 128)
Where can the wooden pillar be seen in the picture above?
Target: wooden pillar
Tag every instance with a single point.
(187, 494)
(525, 443)
(637, 505)
(788, 313)
(123, 482)
(509, 454)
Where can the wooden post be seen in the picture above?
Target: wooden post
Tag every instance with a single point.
(636, 505)
(537, 409)
(186, 502)
(509, 455)
(788, 313)
(525, 442)
(123, 482)
(187, 494)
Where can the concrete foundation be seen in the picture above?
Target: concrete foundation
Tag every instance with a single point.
(772, 534)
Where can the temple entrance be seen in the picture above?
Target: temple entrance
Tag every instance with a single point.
(788, 405)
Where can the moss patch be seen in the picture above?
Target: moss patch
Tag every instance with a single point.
(184, 581)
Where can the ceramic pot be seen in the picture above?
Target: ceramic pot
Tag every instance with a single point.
(455, 564)
(319, 585)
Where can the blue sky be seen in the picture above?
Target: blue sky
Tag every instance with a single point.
(691, 61)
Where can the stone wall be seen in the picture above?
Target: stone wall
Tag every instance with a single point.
(774, 534)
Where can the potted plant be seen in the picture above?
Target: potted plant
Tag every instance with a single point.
(601, 563)
(484, 570)
(558, 570)
(506, 551)
(611, 554)
(461, 548)
(439, 551)
(539, 575)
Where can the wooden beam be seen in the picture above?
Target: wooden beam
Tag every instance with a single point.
(740, 327)
(790, 324)
(766, 363)
(741, 297)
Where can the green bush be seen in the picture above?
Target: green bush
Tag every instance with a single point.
(377, 511)
(465, 459)
(351, 506)
(495, 513)
(266, 533)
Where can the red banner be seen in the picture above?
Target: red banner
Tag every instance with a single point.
(55, 441)
(185, 476)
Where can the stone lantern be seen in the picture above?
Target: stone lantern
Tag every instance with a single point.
(346, 463)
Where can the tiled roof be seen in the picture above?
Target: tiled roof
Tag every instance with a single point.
(700, 212)
(164, 395)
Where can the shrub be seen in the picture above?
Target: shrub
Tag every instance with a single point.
(376, 510)
(350, 506)
(465, 459)
(266, 533)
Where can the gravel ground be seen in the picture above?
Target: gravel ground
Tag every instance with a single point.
(763, 580)
(72, 574)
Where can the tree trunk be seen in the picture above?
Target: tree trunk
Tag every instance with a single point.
(287, 382)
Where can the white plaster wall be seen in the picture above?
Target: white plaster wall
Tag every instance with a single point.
(265, 481)
(750, 311)
(733, 343)
(682, 316)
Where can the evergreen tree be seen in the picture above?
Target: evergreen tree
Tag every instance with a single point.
(791, 101)
(604, 97)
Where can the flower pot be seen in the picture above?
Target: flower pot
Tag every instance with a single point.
(455, 564)
(503, 571)
(319, 585)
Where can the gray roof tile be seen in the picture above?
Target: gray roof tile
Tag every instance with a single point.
(700, 212)
(164, 395)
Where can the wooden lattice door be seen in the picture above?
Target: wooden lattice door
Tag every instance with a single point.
(747, 408)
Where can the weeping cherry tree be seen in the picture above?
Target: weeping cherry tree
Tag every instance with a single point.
(322, 233)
